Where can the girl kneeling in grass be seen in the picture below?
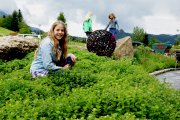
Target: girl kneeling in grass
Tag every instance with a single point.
(52, 52)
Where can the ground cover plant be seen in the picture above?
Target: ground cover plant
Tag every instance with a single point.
(151, 61)
(96, 88)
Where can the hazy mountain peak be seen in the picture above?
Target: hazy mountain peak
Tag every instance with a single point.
(2, 13)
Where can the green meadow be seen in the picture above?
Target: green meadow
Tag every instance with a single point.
(97, 88)
(4, 31)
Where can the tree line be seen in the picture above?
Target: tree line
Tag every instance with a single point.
(140, 35)
(15, 22)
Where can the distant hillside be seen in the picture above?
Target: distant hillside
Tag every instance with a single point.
(171, 39)
(2, 13)
(36, 30)
(164, 38)
(121, 34)
(4, 31)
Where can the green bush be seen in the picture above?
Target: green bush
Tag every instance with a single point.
(97, 88)
(151, 61)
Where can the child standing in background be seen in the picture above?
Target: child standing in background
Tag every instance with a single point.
(113, 24)
(87, 24)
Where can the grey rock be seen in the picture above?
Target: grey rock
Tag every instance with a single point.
(12, 47)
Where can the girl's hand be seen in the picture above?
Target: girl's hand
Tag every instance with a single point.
(73, 58)
(67, 66)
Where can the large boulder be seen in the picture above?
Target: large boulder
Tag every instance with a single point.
(101, 42)
(124, 48)
(12, 47)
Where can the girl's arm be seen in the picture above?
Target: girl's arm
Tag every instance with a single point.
(46, 51)
(107, 26)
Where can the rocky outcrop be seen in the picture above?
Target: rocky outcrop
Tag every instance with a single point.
(12, 47)
(124, 48)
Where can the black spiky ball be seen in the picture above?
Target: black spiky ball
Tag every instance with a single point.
(101, 42)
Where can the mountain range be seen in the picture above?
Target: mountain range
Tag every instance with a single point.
(2, 13)
(164, 38)
(36, 30)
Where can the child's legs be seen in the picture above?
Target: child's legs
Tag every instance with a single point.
(113, 31)
(88, 33)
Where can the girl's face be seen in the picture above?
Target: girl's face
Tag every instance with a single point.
(59, 31)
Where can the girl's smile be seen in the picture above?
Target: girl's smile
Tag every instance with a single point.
(59, 31)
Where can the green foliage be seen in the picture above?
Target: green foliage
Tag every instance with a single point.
(20, 16)
(1, 21)
(152, 61)
(4, 31)
(176, 46)
(177, 43)
(61, 17)
(138, 34)
(7, 22)
(24, 28)
(15, 22)
(96, 88)
(76, 39)
(152, 41)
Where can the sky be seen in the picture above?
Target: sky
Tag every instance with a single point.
(154, 16)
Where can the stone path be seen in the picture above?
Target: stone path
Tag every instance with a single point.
(172, 77)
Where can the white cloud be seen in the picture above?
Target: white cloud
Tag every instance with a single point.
(8, 6)
(76, 28)
(161, 23)
(155, 16)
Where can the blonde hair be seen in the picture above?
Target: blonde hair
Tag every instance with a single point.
(88, 15)
(112, 15)
(62, 43)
